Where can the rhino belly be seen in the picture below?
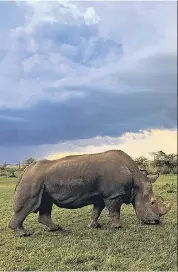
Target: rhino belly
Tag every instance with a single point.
(76, 201)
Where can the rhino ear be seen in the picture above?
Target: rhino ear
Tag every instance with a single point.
(152, 179)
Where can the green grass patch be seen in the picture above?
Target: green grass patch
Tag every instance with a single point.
(135, 247)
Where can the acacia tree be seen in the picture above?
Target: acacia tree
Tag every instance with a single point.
(170, 161)
(158, 158)
(142, 161)
(163, 160)
(4, 165)
(28, 161)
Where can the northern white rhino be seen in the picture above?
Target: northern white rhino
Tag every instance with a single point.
(104, 179)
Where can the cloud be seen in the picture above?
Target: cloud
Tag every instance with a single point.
(60, 45)
(134, 144)
(113, 115)
(69, 70)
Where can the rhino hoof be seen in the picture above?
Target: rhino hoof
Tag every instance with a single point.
(117, 226)
(56, 228)
(23, 234)
(94, 225)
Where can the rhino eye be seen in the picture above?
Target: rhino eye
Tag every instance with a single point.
(153, 202)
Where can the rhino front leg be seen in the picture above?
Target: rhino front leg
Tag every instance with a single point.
(114, 207)
(45, 213)
(97, 209)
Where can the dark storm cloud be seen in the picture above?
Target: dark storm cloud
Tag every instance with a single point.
(72, 71)
(98, 114)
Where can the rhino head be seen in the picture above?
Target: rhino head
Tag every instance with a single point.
(149, 207)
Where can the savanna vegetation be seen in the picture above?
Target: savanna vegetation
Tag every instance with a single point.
(160, 162)
(134, 247)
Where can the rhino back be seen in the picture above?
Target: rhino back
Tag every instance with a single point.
(85, 179)
(72, 183)
(80, 180)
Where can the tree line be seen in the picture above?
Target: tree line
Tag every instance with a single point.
(159, 162)
(9, 170)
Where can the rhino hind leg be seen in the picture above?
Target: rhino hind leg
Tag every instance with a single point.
(114, 207)
(20, 215)
(16, 223)
(97, 209)
(24, 204)
(45, 213)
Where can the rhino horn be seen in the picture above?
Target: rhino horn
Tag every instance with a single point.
(164, 206)
(168, 206)
(153, 178)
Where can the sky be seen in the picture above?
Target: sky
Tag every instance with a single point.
(79, 77)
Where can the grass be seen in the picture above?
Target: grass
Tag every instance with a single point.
(134, 247)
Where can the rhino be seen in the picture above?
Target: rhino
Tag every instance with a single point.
(106, 179)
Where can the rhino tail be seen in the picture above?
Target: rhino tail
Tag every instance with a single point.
(20, 177)
(39, 200)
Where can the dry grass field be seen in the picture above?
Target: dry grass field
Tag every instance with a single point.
(134, 247)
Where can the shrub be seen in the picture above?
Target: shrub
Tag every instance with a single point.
(152, 170)
(10, 173)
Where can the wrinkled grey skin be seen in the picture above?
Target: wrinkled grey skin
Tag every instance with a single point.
(106, 179)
